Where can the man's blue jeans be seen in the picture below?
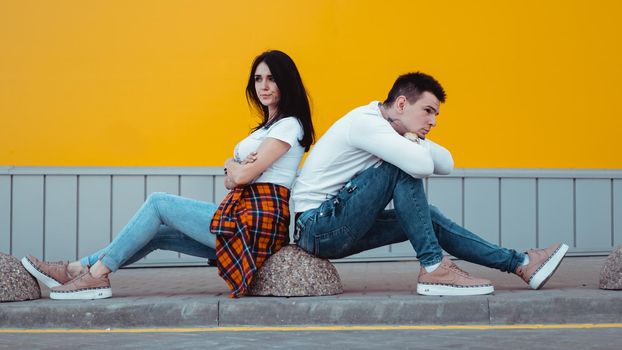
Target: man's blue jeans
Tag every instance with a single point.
(166, 222)
(355, 220)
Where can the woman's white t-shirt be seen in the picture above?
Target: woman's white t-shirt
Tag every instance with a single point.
(283, 170)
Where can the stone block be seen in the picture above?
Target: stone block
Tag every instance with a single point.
(611, 272)
(294, 272)
(16, 284)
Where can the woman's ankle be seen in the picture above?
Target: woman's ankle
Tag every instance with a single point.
(75, 268)
(99, 269)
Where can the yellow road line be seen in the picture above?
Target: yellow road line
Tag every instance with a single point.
(320, 328)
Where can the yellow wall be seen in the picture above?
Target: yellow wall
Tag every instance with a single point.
(161, 83)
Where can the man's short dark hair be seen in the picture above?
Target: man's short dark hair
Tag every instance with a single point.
(412, 85)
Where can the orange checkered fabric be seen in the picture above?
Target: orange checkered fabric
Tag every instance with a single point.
(251, 224)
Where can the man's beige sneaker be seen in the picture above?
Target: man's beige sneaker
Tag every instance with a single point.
(449, 279)
(52, 274)
(542, 264)
(83, 287)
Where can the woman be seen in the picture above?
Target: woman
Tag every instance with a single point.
(250, 224)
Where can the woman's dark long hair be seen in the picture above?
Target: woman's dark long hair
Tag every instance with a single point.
(293, 102)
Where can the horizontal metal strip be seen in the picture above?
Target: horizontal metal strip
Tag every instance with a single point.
(168, 170)
(538, 173)
(111, 170)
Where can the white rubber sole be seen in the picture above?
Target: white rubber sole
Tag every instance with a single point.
(435, 289)
(47, 280)
(87, 294)
(543, 275)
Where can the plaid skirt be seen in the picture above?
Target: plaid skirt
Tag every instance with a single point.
(251, 224)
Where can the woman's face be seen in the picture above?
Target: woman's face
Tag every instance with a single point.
(266, 88)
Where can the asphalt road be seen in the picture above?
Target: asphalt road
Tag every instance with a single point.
(572, 337)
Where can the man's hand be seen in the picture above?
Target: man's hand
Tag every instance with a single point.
(412, 137)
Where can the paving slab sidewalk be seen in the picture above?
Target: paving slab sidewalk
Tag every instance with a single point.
(376, 293)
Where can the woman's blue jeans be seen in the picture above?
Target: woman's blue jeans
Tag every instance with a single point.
(355, 220)
(166, 222)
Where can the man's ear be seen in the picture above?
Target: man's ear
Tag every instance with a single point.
(400, 104)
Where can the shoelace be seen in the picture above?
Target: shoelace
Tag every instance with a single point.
(77, 278)
(458, 270)
(54, 262)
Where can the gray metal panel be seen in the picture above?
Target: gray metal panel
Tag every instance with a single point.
(292, 223)
(400, 250)
(162, 183)
(27, 237)
(128, 195)
(555, 203)
(220, 191)
(481, 207)
(61, 217)
(5, 214)
(446, 194)
(555, 212)
(168, 184)
(199, 188)
(617, 212)
(93, 213)
(593, 213)
(382, 252)
(518, 213)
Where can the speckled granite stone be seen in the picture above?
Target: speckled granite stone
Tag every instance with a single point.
(294, 272)
(611, 273)
(16, 284)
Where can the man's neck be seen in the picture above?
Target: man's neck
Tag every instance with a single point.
(395, 124)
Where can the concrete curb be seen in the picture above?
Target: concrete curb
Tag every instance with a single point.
(566, 306)
(562, 307)
(376, 294)
(111, 313)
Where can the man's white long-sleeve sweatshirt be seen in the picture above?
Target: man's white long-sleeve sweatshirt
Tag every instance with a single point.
(356, 142)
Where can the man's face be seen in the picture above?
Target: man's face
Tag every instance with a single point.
(419, 117)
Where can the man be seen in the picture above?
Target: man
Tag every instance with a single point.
(364, 161)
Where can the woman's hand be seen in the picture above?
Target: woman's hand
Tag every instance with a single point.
(230, 163)
(229, 183)
(257, 162)
(251, 158)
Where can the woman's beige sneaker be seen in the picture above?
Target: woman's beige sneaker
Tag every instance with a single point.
(449, 279)
(52, 274)
(83, 287)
